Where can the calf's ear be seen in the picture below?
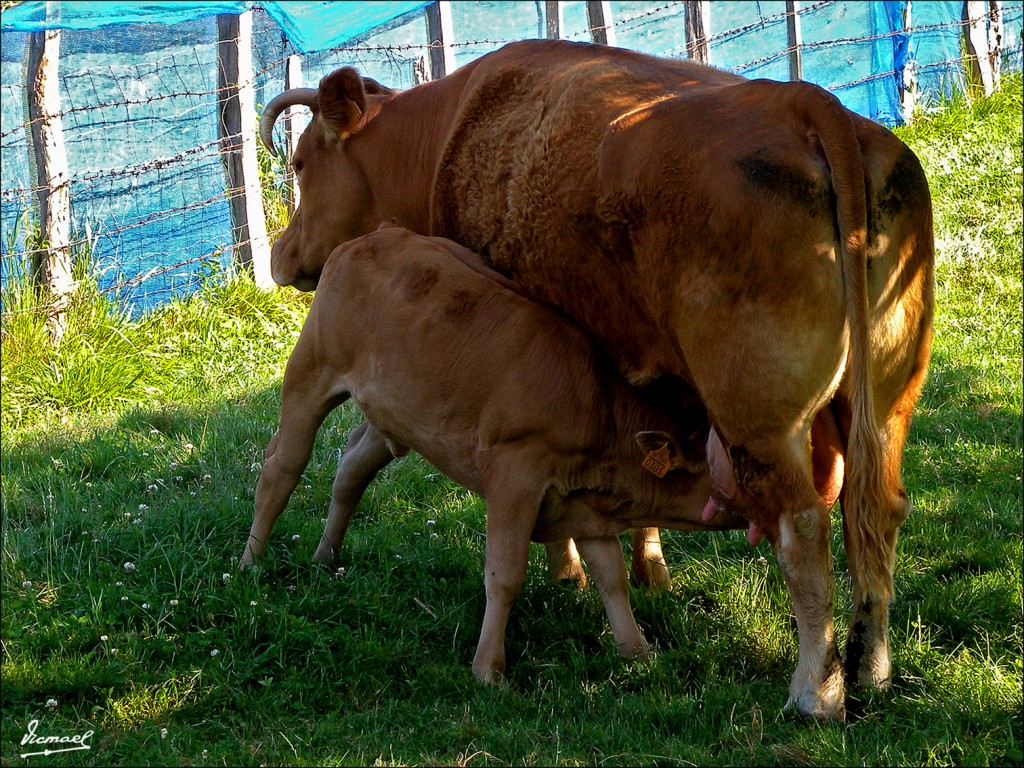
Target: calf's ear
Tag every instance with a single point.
(341, 99)
(661, 447)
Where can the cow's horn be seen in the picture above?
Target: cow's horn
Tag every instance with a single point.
(303, 97)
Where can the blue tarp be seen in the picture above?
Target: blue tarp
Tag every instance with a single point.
(311, 26)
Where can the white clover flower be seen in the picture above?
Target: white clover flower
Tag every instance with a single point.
(143, 507)
(296, 537)
(26, 584)
(145, 606)
(152, 488)
(124, 598)
(192, 494)
(118, 583)
(214, 652)
(189, 446)
(51, 703)
(173, 465)
(252, 603)
(178, 478)
(104, 638)
(207, 478)
(433, 536)
(154, 431)
(174, 602)
(130, 566)
(226, 577)
(431, 522)
(163, 733)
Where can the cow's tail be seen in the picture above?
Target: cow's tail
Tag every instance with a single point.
(865, 501)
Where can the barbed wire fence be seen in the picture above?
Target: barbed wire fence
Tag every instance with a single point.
(140, 113)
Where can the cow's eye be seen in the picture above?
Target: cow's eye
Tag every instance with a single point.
(297, 166)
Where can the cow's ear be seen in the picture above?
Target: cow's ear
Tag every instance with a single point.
(661, 452)
(341, 99)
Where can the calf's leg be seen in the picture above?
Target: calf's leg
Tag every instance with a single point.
(513, 503)
(604, 558)
(366, 454)
(307, 396)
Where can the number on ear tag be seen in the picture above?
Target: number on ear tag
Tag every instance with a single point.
(657, 461)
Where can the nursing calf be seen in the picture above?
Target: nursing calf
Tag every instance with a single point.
(503, 395)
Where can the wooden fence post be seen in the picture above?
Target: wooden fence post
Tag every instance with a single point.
(908, 92)
(554, 17)
(292, 127)
(440, 34)
(995, 40)
(52, 266)
(794, 39)
(698, 21)
(978, 61)
(599, 16)
(237, 106)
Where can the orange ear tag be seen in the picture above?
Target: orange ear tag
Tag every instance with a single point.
(657, 461)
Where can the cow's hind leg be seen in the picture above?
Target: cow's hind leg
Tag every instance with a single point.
(777, 492)
(604, 558)
(867, 655)
(366, 454)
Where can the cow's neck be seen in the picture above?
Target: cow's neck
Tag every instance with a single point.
(400, 162)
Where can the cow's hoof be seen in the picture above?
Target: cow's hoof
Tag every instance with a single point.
(652, 574)
(637, 650)
(826, 702)
(493, 677)
(868, 667)
(324, 555)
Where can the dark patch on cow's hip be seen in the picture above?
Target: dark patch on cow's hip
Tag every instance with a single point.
(787, 184)
(903, 190)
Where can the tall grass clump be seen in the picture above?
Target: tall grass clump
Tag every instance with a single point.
(130, 456)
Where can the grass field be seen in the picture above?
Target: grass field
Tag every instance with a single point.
(130, 457)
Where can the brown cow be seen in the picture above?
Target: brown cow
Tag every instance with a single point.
(504, 395)
(749, 243)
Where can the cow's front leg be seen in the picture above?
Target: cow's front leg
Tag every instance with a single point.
(366, 454)
(805, 559)
(564, 562)
(649, 566)
(604, 557)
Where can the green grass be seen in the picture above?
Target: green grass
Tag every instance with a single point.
(138, 443)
